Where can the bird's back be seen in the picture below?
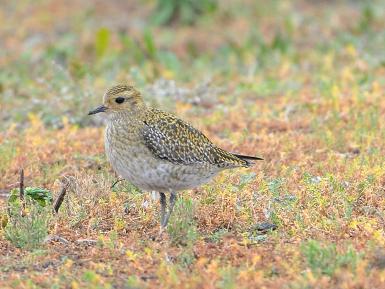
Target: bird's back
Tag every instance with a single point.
(170, 138)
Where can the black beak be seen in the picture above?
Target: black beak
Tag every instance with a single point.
(101, 108)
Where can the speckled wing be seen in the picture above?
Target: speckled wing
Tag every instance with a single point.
(172, 139)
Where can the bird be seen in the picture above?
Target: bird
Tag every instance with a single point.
(157, 151)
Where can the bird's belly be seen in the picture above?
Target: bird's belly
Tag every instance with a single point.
(152, 174)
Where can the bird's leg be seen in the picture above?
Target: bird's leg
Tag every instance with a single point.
(163, 205)
(170, 208)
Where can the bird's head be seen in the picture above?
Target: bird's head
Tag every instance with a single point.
(120, 98)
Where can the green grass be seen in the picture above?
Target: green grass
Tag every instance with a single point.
(27, 228)
(324, 259)
(182, 226)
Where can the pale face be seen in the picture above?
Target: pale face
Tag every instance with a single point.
(118, 99)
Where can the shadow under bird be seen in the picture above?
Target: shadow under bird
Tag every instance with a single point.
(156, 151)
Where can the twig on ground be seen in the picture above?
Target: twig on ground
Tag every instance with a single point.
(86, 242)
(55, 238)
(22, 185)
(60, 199)
(4, 193)
(114, 184)
(148, 277)
(21, 192)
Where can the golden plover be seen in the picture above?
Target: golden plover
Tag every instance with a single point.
(156, 151)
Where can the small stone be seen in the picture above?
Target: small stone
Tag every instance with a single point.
(264, 227)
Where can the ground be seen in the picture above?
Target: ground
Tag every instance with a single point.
(300, 83)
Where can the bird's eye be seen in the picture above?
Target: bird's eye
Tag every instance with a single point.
(119, 100)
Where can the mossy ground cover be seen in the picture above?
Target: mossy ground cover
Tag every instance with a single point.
(300, 83)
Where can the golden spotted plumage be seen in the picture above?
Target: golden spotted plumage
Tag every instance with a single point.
(172, 139)
(157, 151)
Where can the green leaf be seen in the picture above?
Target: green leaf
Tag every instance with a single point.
(101, 42)
(149, 44)
(42, 196)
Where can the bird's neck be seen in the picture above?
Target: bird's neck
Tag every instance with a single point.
(135, 113)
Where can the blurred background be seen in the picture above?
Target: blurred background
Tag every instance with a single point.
(300, 83)
(58, 57)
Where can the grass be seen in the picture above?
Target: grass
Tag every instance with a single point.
(300, 84)
(326, 260)
(182, 230)
(27, 231)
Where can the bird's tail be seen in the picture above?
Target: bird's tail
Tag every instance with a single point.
(248, 159)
